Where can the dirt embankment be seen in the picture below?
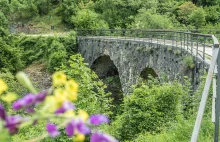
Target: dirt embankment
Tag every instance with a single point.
(39, 76)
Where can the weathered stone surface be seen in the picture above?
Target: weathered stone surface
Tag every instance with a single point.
(132, 57)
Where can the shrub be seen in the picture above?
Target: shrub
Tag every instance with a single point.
(87, 19)
(147, 20)
(188, 62)
(10, 58)
(148, 109)
(56, 59)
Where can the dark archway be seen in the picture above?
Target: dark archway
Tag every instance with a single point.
(147, 73)
(108, 73)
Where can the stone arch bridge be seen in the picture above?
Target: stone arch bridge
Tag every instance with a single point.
(174, 53)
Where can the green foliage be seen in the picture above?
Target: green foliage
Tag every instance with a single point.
(147, 20)
(92, 96)
(3, 21)
(13, 84)
(197, 18)
(212, 14)
(56, 59)
(120, 13)
(10, 58)
(184, 11)
(188, 62)
(148, 109)
(5, 7)
(69, 9)
(179, 132)
(52, 50)
(87, 19)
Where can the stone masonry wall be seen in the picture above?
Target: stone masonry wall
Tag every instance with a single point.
(132, 57)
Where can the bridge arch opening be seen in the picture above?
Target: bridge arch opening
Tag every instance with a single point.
(147, 73)
(106, 70)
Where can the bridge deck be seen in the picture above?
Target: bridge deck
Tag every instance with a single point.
(192, 48)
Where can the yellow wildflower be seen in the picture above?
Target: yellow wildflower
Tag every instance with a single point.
(3, 86)
(59, 79)
(72, 96)
(60, 95)
(9, 97)
(79, 137)
(51, 104)
(71, 86)
(69, 113)
(83, 115)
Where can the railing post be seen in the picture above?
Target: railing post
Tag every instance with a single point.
(205, 93)
(217, 102)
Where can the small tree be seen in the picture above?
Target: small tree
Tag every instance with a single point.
(184, 11)
(197, 18)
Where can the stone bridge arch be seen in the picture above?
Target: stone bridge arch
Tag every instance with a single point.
(132, 57)
(106, 70)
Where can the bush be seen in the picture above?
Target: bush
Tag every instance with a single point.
(10, 58)
(13, 84)
(148, 109)
(56, 59)
(188, 62)
(147, 20)
(87, 19)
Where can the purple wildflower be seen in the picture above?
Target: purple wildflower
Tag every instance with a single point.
(18, 104)
(70, 129)
(66, 106)
(2, 113)
(52, 130)
(77, 125)
(30, 110)
(12, 123)
(101, 137)
(82, 128)
(41, 97)
(98, 119)
(27, 100)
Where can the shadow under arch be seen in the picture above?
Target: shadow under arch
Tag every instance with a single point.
(104, 67)
(147, 73)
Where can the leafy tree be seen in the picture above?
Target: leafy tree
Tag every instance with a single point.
(69, 8)
(212, 14)
(184, 11)
(4, 6)
(146, 20)
(87, 19)
(3, 21)
(120, 13)
(197, 18)
(10, 58)
(206, 2)
(148, 109)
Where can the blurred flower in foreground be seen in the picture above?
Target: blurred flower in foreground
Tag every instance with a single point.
(3, 86)
(2, 112)
(101, 137)
(52, 130)
(56, 103)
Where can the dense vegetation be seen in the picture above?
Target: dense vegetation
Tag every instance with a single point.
(154, 111)
(96, 14)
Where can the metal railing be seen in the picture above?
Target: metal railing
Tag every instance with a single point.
(199, 45)
(204, 47)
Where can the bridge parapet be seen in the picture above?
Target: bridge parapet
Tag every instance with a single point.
(199, 45)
